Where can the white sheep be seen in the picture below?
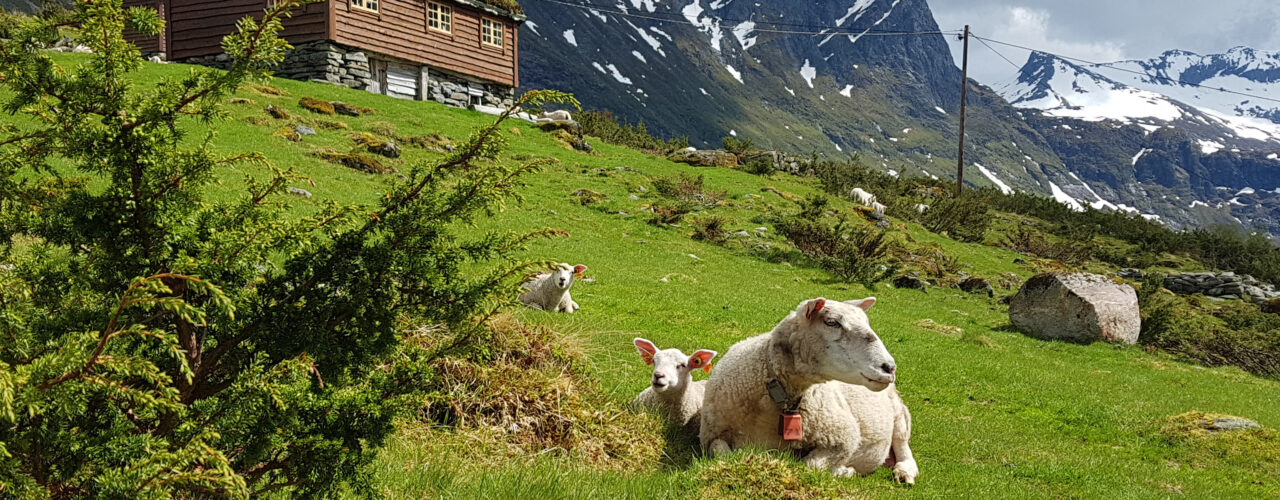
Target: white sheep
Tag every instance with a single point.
(878, 208)
(834, 372)
(862, 196)
(557, 116)
(550, 291)
(921, 208)
(672, 390)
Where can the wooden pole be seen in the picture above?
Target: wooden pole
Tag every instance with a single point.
(964, 94)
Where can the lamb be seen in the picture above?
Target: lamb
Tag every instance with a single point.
(673, 391)
(550, 291)
(921, 208)
(862, 196)
(825, 364)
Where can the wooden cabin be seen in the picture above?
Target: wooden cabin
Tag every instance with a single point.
(460, 52)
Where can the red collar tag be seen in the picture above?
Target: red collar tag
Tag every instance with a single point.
(790, 427)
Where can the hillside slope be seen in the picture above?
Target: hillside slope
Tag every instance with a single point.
(996, 413)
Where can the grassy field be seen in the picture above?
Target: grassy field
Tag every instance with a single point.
(995, 413)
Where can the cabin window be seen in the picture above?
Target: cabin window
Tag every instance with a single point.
(491, 32)
(369, 5)
(440, 17)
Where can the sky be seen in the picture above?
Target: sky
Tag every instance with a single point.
(1104, 30)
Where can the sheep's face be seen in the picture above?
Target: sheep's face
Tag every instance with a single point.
(671, 367)
(837, 343)
(563, 274)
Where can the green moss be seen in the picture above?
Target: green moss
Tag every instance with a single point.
(356, 161)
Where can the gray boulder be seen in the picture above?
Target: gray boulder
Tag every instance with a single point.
(1076, 307)
(708, 158)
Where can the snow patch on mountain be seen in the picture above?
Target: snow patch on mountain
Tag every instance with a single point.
(736, 75)
(1139, 156)
(1209, 147)
(743, 32)
(1004, 188)
(1064, 198)
(617, 75)
(808, 73)
(709, 25)
(568, 37)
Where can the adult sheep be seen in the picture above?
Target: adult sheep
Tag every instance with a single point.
(550, 291)
(862, 196)
(825, 364)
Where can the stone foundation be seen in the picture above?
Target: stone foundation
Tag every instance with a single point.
(350, 67)
(457, 90)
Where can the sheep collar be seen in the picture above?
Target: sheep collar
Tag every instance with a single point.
(781, 399)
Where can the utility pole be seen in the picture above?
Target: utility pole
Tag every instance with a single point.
(964, 94)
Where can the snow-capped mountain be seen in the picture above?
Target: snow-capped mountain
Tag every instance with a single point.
(1132, 147)
(708, 68)
(1194, 79)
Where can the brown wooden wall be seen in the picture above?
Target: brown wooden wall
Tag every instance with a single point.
(148, 44)
(196, 27)
(400, 30)
(199, 25)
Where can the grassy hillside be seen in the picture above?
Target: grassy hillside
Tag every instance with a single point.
(996, 413)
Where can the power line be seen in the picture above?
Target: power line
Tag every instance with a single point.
(824, 30)
(1140, 73)
(997, 53)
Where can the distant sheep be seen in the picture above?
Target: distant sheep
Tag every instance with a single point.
(862, 196)
(550, 291)
(672, 390)
(559, 116)
(825, 363)
(921, 208)
(878, 209)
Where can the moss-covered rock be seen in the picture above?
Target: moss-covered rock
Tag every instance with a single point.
(356, 161)
(277, 112)
(316, 105)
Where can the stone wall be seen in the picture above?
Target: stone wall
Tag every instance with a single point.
(457, 90)
(1228, 285)
(350, 67)
(781, 162)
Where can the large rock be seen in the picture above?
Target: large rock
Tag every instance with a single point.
(705, 158)
(1077, 308)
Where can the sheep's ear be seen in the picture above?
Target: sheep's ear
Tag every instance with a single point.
(702, 359)
(864, 304)
(812, 306)
(646, 349)
(578, 269)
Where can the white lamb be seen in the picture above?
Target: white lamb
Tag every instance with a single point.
(673, 391)
(550, 291)
(862, 196)
(833, 371)
(922, 208)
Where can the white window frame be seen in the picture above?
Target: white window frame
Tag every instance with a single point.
(492, 29)
(367, 5)
(442, 15)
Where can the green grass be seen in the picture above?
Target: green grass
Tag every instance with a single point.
(996, 413)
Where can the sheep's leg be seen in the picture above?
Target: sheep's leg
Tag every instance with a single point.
(905, 470)
(719, 447)
(832, 459)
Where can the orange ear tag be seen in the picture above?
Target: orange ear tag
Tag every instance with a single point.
(707, 368)
(791, 427)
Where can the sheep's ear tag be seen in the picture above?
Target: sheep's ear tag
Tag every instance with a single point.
(791, 427)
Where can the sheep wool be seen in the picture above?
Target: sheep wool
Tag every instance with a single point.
(550, 291)
(673, 392)
(826, 353)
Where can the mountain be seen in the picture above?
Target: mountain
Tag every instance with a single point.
(710, 68)
(1133, 139)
